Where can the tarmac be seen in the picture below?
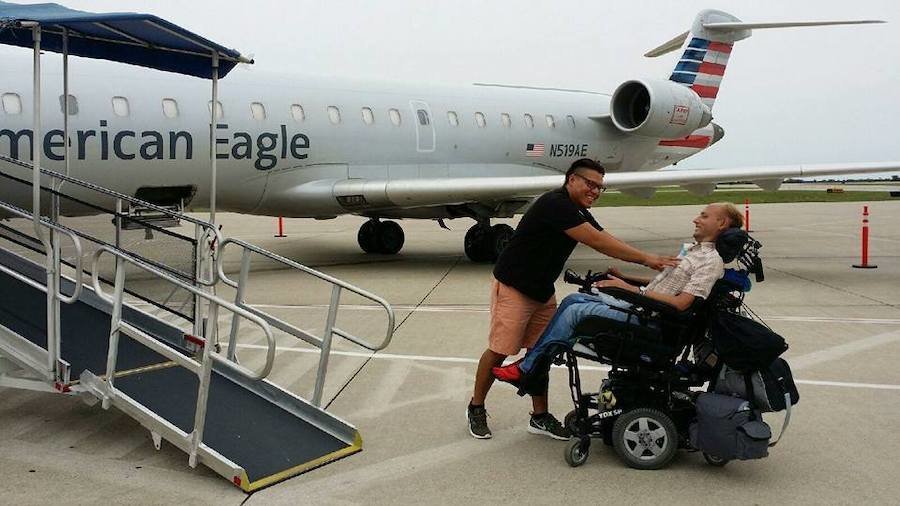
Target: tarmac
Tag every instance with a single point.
(408, 401)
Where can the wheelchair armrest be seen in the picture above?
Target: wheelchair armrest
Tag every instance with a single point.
(666, 310)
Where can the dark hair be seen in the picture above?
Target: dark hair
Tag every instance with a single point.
(584, 163)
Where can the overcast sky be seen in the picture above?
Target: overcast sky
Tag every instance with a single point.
(800, 95)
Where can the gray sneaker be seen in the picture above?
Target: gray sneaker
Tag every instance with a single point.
(547, 425)
(477, 418)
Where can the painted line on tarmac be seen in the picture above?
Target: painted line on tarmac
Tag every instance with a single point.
(391, 356)
(804, 362)
(827, 319)
(486, 309)
(837, 234)
(873, 386)
(843, 350)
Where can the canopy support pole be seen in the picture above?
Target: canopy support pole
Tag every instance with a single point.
(214, 110)
(36, 143)
(50, 243)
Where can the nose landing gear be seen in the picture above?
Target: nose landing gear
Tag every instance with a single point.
(483, 242)
(376, 236)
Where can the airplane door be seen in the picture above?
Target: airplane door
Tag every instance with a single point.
(425, 140)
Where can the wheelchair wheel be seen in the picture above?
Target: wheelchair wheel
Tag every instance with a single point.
(645, 438)
(577, 451)
(715, 461)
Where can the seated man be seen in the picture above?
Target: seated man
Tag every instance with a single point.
(694, 277)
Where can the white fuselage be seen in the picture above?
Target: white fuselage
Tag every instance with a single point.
(124, 137)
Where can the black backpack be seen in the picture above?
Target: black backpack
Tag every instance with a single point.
(772, 388)
(744, 344)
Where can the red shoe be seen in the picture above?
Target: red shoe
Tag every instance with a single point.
(509, 373)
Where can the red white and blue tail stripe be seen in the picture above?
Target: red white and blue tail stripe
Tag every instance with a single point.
(702, 66)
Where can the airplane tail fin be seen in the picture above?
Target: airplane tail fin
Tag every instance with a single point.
(709, 44)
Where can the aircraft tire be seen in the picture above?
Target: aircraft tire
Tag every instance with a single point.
(476, 243)
(367, 237)
(500, 236)
(390, 237)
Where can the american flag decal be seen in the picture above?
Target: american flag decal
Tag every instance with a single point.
(534, 150)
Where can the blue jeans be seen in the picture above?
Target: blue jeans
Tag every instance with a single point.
(569, 313)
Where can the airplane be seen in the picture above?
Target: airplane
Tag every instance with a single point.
(318, 148)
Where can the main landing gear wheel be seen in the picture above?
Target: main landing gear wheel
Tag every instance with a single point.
(645, 438)
(380, 237)
(483, 243)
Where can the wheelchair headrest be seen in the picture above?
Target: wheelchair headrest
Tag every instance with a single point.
(736, 244)
(730, 243)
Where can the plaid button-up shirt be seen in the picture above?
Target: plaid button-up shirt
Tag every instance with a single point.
(696, 274)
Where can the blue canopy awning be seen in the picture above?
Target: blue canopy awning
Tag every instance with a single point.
(138, 39)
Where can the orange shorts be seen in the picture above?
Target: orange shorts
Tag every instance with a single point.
(516, 319)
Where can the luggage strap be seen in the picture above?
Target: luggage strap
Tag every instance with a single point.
(748, 386)
(787, 419)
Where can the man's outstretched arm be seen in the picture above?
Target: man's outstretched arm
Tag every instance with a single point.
(606, 243)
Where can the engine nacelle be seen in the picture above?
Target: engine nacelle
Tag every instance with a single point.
(657, 108)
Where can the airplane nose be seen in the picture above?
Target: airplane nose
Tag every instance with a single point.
(718, 133)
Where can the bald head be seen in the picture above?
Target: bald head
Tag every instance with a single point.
(715, 219)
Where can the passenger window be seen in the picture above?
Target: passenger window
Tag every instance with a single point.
(479, 120)
(12, 104)
(334, 114)
(120, 106)
(220, 111)
(73, 104)
(368, 116)
(504, 119)
(423, 117)
(452, 118)
(551, 123)
(395, 116)
(297, 113)
(571, 121)
(258, 111)
(170, 108)
(529, 120)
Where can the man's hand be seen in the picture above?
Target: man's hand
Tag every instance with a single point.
(614, 271)
(659, 262)
(615, 283)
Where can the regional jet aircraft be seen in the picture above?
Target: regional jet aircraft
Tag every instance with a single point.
(320, 148)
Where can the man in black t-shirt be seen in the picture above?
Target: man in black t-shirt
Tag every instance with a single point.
(522, 292)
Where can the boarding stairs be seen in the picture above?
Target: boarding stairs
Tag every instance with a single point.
(74, 322)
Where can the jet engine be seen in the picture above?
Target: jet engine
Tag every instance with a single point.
(658, 108)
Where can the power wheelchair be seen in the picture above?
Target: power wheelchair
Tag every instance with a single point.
(659, 360)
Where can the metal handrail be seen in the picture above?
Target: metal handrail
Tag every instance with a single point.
(213, 299)
(79, 252)
(323, 343)
(107, 191)
(321, 275)
(210, 231)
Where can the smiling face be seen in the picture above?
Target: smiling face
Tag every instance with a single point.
(711, 221)
(584, 186)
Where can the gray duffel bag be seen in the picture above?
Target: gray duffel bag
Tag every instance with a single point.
(727, 428)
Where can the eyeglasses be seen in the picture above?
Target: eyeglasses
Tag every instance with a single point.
(592, 185)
